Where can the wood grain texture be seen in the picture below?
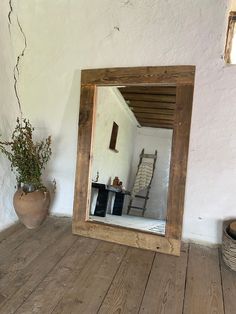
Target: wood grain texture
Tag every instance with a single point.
(83, 167)
(149, 98)
(183, 77)
(21, 286)
(5, 234)
(154, 116)
(14, 240)
(203, 288)
(164, 293)
(11, 262)
(136, 75)
(128, 236)
(229, 288)
(154, 90)
(155, 121)
(82, 275)
(138, 110)
(61, 279)
(152, 105)
(229, 37)
(127, 288)
(178, 164)
(151, 95)
(91, 285)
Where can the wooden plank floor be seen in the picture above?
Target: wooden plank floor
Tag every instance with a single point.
(49, 270)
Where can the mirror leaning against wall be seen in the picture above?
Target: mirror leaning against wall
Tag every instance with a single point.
(131, 156)
(133, 139)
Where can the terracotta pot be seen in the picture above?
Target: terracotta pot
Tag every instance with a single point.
(31, 208)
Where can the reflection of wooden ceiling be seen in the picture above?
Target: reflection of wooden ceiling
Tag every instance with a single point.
(153, 106)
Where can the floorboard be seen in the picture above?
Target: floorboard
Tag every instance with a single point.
(19, 288)
(165, 290)
(49, 270)
(91, 285)
(12, 262)
(42, 300)
(15, 239)
(203, 287)
(127, 288)
(5, 234)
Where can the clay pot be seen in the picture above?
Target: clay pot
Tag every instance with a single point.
(31, 208)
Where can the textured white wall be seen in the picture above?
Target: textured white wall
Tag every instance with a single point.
(8, 112)
(152, 139)
(111, 108)
(65, 36)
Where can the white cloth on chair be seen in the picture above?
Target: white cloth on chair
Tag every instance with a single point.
(143, 177)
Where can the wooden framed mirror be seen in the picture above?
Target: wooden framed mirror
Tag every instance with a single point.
(156, 101)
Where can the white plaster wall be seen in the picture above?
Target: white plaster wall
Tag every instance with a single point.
(152, 139)
(8, 113)
(66, 36)
(111, 108)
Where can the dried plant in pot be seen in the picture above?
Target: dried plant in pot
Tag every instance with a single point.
(28, 159)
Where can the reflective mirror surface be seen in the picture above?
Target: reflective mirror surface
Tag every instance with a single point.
(131, 156)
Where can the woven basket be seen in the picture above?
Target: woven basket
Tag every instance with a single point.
(228, 247)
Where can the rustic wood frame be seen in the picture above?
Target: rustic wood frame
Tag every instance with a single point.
(183, 78)
(229, 36)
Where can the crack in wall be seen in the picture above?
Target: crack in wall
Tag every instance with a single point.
(16, 71)
(115, 28)
(16, 68)
(9, 16)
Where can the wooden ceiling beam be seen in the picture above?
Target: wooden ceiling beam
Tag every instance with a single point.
(155, 121)
(153, 105)
(160, 90)
(149, 97)
(154, 111)
(153, 116)
(160, 126)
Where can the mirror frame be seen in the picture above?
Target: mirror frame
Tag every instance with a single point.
(183, 78)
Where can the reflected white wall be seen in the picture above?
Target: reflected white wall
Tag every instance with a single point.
(9, 110)
(152, 139)
(112, 108)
